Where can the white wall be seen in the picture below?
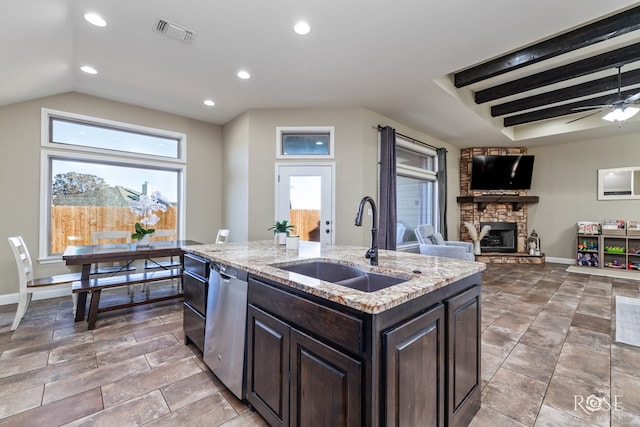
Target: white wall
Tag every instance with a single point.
(20, 171)
(356, 160)
(235, 174)
(565, 179)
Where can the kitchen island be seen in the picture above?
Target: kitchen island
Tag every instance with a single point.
(408, 354)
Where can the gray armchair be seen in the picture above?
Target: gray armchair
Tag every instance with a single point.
(432, 243)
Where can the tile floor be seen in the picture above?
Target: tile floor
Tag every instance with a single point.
(548, 360)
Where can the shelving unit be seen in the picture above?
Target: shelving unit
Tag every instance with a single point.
(633, 252)
(588, 250)
(616, 251)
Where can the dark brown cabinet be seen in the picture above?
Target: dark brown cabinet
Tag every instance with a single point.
(317, 372)
(268, 366)
(314, 362)
(463, 372)
(414, 371)
(290, 376)
(195, 283)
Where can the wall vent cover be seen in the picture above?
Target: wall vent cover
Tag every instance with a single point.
(174, 31)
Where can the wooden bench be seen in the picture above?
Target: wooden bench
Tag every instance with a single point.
(60, 279)
(95, 286)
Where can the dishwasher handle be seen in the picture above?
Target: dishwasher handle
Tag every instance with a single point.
(227, 272)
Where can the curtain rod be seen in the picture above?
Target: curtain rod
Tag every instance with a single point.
(411, 139)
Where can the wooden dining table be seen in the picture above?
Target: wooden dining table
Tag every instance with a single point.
(125, 253)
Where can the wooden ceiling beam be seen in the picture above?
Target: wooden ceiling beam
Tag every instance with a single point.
(564, 109)
(604, 29)
(576, 91)
(604, 61)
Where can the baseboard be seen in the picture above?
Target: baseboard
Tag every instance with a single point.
(13, 298)
(568, 261)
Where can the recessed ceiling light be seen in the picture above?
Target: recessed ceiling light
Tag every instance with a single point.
(302, 28)
(209, 103)
(95, 19)
(88, 69)
(244, 75)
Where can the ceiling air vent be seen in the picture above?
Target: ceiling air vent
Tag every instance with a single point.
(174, 31)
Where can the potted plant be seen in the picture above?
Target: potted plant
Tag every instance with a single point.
(281, 231)
(146, 206)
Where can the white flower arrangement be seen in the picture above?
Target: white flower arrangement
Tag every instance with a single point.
(146, 206)
(471, 229)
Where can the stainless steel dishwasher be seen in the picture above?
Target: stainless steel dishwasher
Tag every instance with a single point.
(226, 324)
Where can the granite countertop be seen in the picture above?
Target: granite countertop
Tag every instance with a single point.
(424, 273)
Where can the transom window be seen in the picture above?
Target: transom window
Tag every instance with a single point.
(91, 171)
(76, 133)
(304, 142)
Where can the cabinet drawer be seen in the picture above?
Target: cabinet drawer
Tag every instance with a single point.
(193, 324)
(195, 292)
(332, 325)
(196, 265)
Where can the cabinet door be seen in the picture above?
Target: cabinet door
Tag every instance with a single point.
(195, 292)
(325, 384)
(268, 366)
(193, 325)
(414, 370)
(463, 370)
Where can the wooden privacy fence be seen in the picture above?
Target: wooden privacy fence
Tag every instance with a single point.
(73, 225)
(307, 222)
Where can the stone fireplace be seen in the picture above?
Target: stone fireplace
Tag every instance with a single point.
(501, 238)
(480, 207)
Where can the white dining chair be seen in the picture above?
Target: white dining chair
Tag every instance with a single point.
(161, 235)
(28, 285)
(223, 235)
(111, 237)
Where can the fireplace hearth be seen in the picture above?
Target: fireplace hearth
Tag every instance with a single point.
(501, 238)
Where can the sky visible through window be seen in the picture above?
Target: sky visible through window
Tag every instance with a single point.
(88, 135)
(305, 192)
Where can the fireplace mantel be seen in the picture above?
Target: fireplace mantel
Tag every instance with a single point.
(516, 201)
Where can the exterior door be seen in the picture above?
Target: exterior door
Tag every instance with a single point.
(304, 196)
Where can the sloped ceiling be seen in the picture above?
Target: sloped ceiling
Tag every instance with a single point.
(396, 58)
(548, 87)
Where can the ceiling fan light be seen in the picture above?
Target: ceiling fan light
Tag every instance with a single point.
(620, 114)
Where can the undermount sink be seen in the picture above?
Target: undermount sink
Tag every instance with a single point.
(344, 275)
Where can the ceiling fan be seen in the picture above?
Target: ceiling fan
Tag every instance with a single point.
(621, 109)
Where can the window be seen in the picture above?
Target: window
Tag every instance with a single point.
(92, 169)
(304, 142)
(416, 189)
(76, 133)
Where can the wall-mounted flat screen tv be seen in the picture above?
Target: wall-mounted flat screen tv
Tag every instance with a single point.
(501, 172)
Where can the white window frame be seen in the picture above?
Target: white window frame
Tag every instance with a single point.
(47, 113)
(80, 153)
(281, 130)
(418, 173)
